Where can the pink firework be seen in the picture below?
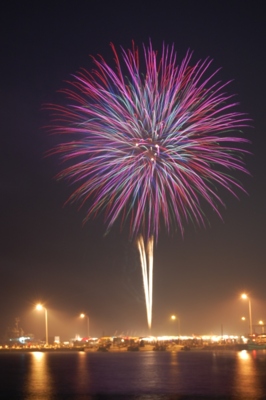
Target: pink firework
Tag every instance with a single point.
(149, 142)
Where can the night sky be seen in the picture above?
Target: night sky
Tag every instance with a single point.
(47, 254)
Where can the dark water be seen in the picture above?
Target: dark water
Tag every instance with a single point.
(133, 375)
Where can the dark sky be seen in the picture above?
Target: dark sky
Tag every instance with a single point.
(47, 254)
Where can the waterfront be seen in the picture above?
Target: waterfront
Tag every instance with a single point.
(134, 375)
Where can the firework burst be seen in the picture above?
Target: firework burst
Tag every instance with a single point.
(149, 142)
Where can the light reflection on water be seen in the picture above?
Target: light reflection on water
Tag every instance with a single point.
(38, 382)
(130, 375)
(247, 383)
(83, 376)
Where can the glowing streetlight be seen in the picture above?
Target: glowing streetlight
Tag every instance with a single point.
(244, 296)
(262, 326)
(41, 307)
(173, 318)
(82, 315)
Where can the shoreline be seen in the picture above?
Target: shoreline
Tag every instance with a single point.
(114, 349)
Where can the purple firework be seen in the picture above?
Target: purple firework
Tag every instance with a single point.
(146, 145)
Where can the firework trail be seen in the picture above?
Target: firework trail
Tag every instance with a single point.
(147, 142)
(147, 274)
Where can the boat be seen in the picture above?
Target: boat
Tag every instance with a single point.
(133, 348)
(185, 348)
(159, 347)
(256, 346)
(102, 348)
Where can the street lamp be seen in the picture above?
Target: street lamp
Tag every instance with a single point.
(41, 307)
(244, 296)
(82, 315)
(173, 318)
(262, 326)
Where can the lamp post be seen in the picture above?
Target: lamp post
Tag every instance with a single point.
(82, 315)
(244, 296)
(173, 318)
(41, 307)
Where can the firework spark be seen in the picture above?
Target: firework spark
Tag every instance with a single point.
(149, 143)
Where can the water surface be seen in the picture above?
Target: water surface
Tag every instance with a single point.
(133, 375)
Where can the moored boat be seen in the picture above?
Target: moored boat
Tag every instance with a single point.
(256, 346)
